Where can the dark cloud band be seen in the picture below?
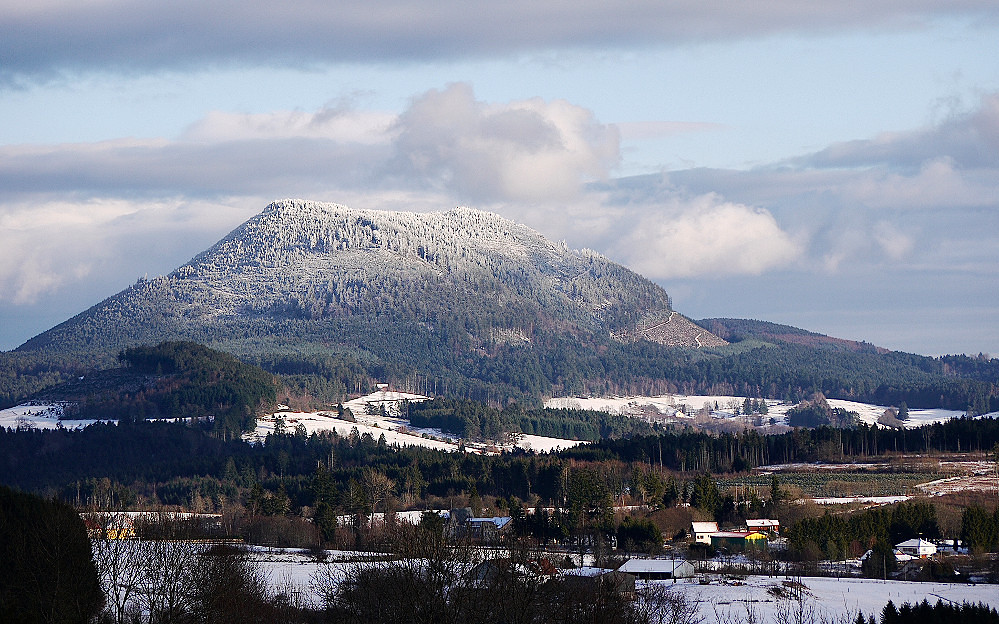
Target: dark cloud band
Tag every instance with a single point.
(45, 37)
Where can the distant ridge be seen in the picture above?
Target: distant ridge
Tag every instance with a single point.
(740, 329)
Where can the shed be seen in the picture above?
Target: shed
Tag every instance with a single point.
(658, 569)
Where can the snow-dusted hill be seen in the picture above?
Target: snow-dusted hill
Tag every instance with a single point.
(692, 409)
(379, 415)
(316, 273)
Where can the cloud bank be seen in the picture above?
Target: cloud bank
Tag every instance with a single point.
(42, 38)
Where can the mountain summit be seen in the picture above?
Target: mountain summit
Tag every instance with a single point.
(403, 288)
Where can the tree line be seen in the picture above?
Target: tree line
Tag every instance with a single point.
(687, 450)
(474, 420)
(836, 537)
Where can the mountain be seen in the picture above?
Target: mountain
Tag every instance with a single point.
(466, 304)
(395, 291)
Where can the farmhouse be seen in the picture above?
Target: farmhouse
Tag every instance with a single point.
(658, 569)
(487, 530)
(390, 401)
(917, 548)
(493, 571)
(702, 531)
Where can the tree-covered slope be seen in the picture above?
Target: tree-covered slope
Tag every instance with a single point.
(171, 380)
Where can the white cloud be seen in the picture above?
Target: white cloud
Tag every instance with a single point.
(968, 139)
(447, 140)
(331, 123)
(895, 244)
(50, 244)
(935, 184)
(704, 236)
(524, 150)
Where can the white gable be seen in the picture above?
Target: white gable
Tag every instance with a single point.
(704, 527)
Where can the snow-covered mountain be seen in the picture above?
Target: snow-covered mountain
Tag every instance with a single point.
(304, 276)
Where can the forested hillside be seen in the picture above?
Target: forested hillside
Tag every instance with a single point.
(150, 464)
(470, 419)
(463, 299)
(172, 380)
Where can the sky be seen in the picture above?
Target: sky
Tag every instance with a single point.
(832, 165)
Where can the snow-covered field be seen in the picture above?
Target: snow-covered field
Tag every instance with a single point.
(291, 571)
(829, 597)
(846, 500)
(394, 432)
(680, 406)
(396, 428)
(917, 417)
(41, 416)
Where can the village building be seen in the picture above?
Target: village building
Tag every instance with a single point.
(391, 402)
(738, 541)
(109, 525)
(702, 531)
(492, 571)
(599, 580)
(764, 525)
(485, 530)
(658, 569)
(917, 548)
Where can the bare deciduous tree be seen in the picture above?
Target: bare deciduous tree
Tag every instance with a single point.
(657, 603)
(120, 563)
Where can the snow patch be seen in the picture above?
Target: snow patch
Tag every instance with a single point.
(41, 416)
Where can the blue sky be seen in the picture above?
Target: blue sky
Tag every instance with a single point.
(830, 165)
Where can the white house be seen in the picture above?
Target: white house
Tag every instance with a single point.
(658, 569)
(917, 547)
(703, 530)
